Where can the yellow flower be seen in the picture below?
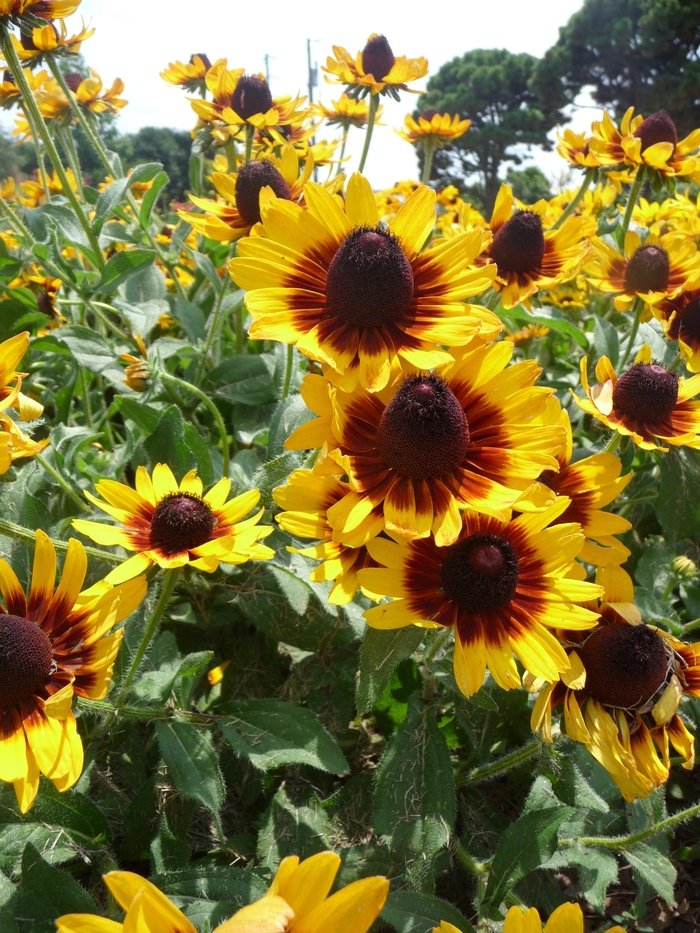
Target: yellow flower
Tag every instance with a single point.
(680, 319)
(346, 112)
(528, 257)
(31, 193)
(31, 48)
(46, 9)
(173, 525)
(652, 142)
(298, 899)
(433, 127)
(11, 352)
(190, 75)
(529, 332)
(568, 918)
(374, 70)
(501, 586)
(355, 294)
(576, 148)
(138, 372)
(55, 646)
(647, 403)
(621, 695)
(9, 92)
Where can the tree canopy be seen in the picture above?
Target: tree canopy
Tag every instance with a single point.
(634, 53)
(492, 88)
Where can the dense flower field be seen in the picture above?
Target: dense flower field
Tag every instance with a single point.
(376, 518)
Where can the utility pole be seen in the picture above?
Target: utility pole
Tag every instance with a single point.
(267, 68)
(313, 72)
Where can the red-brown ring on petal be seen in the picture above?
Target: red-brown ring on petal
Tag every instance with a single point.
(480, 573)
(625, 664)
(658, 128)
(250, 180)
(377, 58)
(518, 245)
(370, 281)
(647, 392)
(250, 96)
(73, 81)
(204, 58)
(181, 521)
(429, 114)
(689, 330)
(26, 658)
(423, 432)
(648, 270)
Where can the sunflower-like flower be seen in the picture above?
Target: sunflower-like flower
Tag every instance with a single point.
(31, 47)
(10, 93)
(374, 70)
(45, 9)
(652, 142)
(54, 105)
(355, 294)
(657, 269)
(173, 525)
(621, 695)
(190, 75)
(528, 257)
(433, 127)
(298, 899)
(55, 645)
(567, 918)
(590, 484)
(31, 192)
(11, 396)
(347, 112)
(502, 586)
(463, 438)
(647, 403)
(576, 149)
(306, 499)
(680, 319)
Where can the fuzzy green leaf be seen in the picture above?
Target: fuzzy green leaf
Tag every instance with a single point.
(381, 652)
(654, 868)
(420, 913)
(123, 265)
(192, 763)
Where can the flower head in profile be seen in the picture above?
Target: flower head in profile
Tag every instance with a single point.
(33, 44)
(648, 403)
(172, 525)
(529, 258)
(502, 586)
(15, 10)
(189, 75)
(11, 396)
(651, 142)
(620, 697)
(355, 294)
(680, 319)
(432, 127)
(567, 918)
(298, 899)
(54, 645)
(346, 112)
(374, 70)
(576, 149)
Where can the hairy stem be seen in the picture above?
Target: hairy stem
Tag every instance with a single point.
(373, 104)
(63, 483)
(585, 185)
(501, 765)
(19, 533)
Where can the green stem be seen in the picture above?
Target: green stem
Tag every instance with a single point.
(469, 863)
(501, 765)
(585, 185)
(66, 140)
(637, 311)
(624, 842)
(428, 164)
(632, 200)
(373, 105)
(14, 219)
(249, 134)
(669, 589)
(230, 150)
(63, 483)
(211, 329)
(95, 306)
(240, 312)
(289, 369)
(19, 533)
(31, 106)
(342, 149)
(174, 380)
(612, 444)
(86, 398)
(140, 712)
(169, 581)
(691, 626)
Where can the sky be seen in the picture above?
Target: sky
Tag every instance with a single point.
(135, 40)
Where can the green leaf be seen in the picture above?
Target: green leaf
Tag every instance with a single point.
(148, 284)
(419, 913)
(192, 763)
(149, 199)
(46, 893)
(654, 868)
(144, 417)
(207, 268)
(89, 349)
(57, 216)
(211, 894)
(677, 504)
(144, 172)
(605, 340)
(415, 802)
(108, 200)
(597, 870)
(166, 443)
(274, 473)
(245, 379)
(270, 733)
(524, 846)
(287, 416)
(191, 318)
(121, 266)
(54, 843)
(143, 317)
(550, 318)
(291, 829)
(72, 811)
(381, 652)
(571, 787)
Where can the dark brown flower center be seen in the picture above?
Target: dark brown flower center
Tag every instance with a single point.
(181, 521)
(250, 180)
(625, 664)
(44, 303)
(647, 392)
(25, 659)
(423, 432)
(658, 128)
(480, 573)
(429, 114)
(251, 95)
(648, 270)
(690, 322)
(370, 281)
(204, 58)
(8, 78)
(518, 245)
(73, 81)
(377, 58)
